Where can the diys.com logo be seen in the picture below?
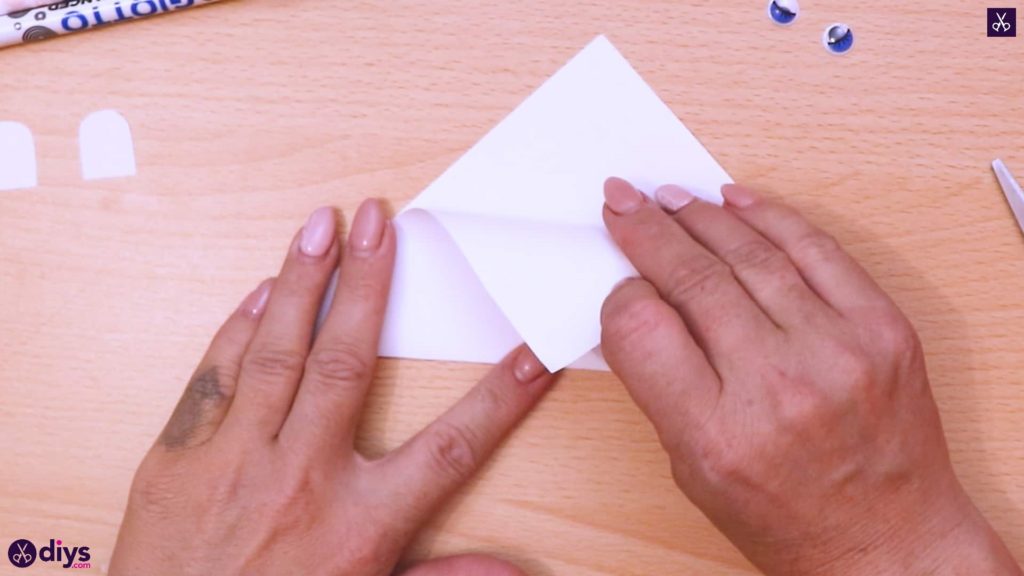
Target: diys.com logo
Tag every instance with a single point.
(23, 553)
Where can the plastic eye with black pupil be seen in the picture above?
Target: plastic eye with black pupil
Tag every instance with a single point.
(838, 38)
(783, 12)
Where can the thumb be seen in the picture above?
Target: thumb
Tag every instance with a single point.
(467, 565)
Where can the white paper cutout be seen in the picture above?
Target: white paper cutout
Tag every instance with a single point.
(105, 146)
(18, 167)
(509, 243)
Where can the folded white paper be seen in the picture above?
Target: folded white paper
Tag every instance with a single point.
(508, 245)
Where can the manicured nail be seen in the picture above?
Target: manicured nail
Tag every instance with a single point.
(673, 198)
(621, 197)
(367, 227)
(256, 302)
(318, 233)
(738, 196)
(527, 367)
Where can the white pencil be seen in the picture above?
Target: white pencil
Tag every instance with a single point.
(71, 16)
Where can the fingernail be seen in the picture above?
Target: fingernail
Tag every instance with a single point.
(621, 197)
(256, 302)
(367, 227)
(738, 196)
(318, 233)
(527, 367)
(673, 198)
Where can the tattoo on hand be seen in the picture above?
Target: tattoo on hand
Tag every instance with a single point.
(203, 394)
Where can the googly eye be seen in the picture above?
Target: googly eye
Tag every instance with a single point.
(783, 12)
(838, 38)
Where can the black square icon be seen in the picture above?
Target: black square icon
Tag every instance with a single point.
(1002, 22)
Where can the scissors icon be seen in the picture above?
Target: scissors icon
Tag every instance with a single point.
(1002, 25)
(22, 558)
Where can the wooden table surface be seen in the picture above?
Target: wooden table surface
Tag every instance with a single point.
(249, 114)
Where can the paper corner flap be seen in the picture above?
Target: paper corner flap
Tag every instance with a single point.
(459, 187)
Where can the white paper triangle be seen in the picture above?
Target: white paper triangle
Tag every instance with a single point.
(508, 245)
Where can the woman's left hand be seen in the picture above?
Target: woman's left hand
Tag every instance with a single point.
(256, 471)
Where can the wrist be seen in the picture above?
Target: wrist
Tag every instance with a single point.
(932, 532)
(956, 541)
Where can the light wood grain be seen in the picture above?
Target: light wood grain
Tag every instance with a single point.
(249, 114)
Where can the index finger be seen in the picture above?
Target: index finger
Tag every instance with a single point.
(721, 315)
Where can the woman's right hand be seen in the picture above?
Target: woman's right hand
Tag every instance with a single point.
(788, 389)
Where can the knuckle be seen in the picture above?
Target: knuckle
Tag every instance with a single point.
(453, 451)
(720, 463)
(803, 411)
(794, 394)
(229, 483)
(894, 335)
(896, 347)
(633, 319)
(805, 400)
(846, 354)
(300, 491)
(341, 366)
(849, 385)
(273, 363)
(817, 246)
(756, 255)
(856, 369)
(696, 277)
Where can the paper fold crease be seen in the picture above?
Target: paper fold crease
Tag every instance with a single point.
(509, 244)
